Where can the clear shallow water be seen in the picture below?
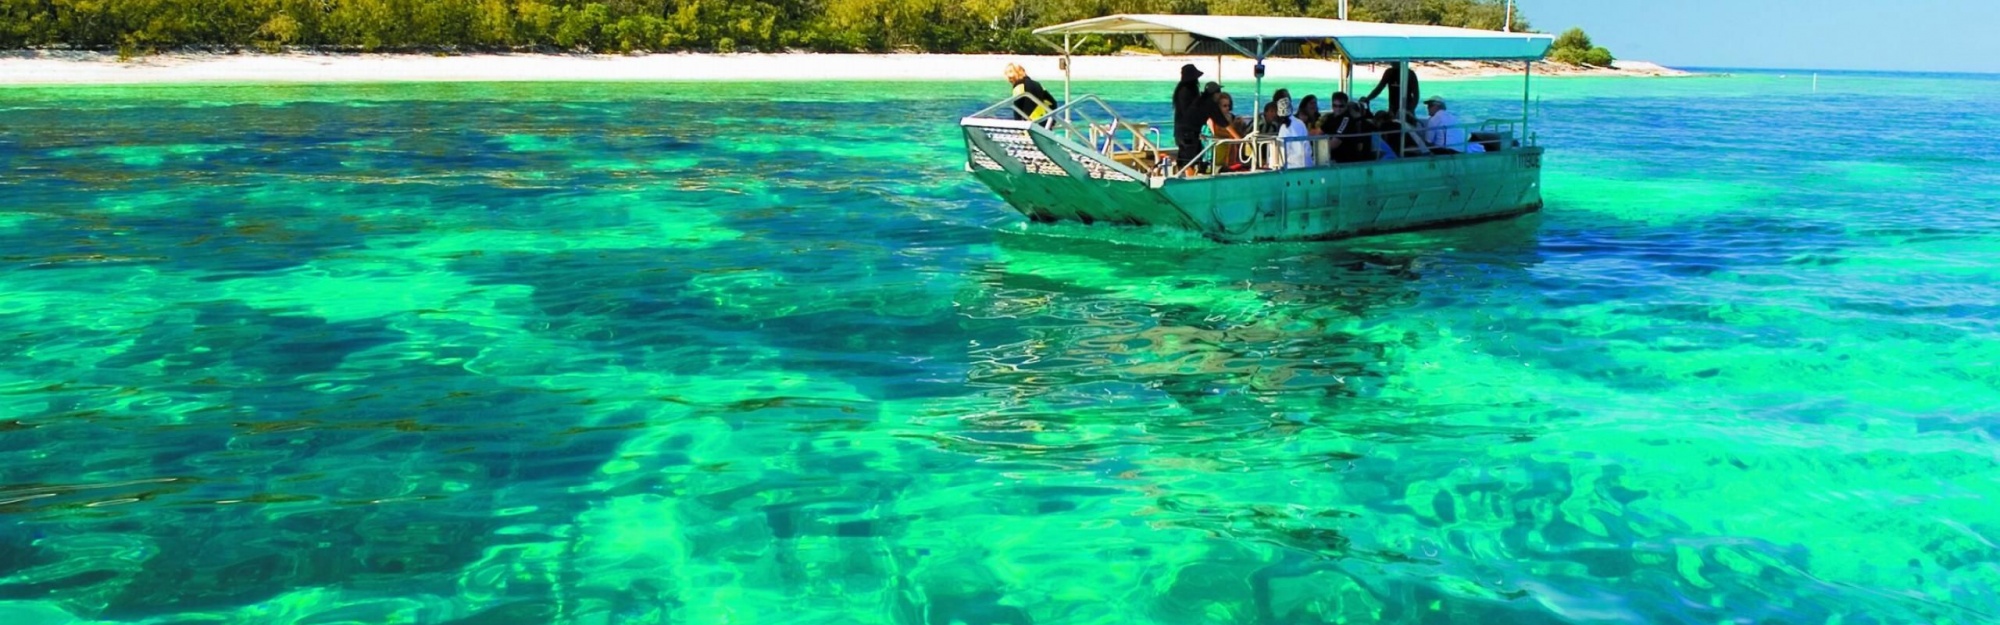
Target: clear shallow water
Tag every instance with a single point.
(763, 354)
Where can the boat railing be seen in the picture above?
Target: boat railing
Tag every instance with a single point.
(1508, 130)
(1261, 153)
(1003, 109)
(1092, 122)
(1136, 144)
(1223, 156)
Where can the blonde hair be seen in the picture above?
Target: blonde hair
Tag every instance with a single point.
(1013, 71)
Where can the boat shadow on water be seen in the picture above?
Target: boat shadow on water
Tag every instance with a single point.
(1228, 360)
(1199, 320)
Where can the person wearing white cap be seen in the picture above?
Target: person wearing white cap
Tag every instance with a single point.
(1443, 132)
(1292, 135)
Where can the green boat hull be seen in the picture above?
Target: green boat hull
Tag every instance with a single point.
(1051, 179)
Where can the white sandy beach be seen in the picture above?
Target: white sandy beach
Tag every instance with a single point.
(84, 68)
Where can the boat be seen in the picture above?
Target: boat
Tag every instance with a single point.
(1084, 162)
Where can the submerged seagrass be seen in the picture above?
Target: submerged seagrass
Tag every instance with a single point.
(642, 353)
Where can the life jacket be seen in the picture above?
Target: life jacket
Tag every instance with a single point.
(1041, 108)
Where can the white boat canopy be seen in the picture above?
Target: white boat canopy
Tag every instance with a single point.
(1260, 37)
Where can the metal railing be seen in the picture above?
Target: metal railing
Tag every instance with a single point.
(1267, 153)
(995, 110)
(1109, 133)
(1243, 155)
(1509, 129)
(1137, 144)
(1101, 128)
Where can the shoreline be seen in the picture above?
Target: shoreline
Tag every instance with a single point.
(51, 67)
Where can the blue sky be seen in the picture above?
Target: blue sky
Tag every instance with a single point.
(1911, 35)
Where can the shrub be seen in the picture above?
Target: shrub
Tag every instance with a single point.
(277, 33)
(1573, 39)
(1574, 47)
(1598, 56)
(634, 33)
(579, 29)
(493, 25)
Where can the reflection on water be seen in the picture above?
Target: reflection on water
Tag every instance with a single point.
(585, 354)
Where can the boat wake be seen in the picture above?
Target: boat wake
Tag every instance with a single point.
(1158, 237)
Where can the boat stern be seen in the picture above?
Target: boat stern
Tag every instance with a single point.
(1048, 177)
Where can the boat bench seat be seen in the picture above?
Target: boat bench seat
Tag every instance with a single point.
(1141, 160)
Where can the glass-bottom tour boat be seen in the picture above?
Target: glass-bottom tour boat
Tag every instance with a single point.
(1084, 162)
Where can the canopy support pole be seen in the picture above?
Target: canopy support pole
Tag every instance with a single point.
(1347, 75)
(1402, 106)
(1527, 76)
(1346, 65)
(1066, 81)
(1257, 103)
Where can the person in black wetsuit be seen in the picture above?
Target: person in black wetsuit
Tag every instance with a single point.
(1335, 117)
(1348, 122)
(1400, 104)
(1031, 101)
(1192, 110)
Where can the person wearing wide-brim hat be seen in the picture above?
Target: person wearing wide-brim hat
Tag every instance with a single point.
(1193, 109)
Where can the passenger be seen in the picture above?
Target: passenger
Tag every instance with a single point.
(1322, 148)
(1336, 119)
(1349, 123)
(1188, 116)
(1309, 112)
(1268, 127)
(1443, 132)
(1399, 102)
(1225, 105)
(1226, 120)
(1193, 109)
(1407, 134)
(1242, 123)
(1292, 134)
(1031, 101)
(1226, 123)
(1385, 143)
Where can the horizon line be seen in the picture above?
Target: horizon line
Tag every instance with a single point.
(1831, 69)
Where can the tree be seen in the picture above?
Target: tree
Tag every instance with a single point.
(1574, 47)
(1598, 56)
(141, 26)
(1573, 39)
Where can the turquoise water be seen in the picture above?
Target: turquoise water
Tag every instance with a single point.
(645, 353)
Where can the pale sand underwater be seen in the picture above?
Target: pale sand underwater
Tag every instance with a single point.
(75, 68)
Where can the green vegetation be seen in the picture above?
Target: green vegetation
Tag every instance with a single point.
(141, 26)
(1574, 47)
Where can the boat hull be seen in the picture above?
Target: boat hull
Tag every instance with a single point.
(1048, 178)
